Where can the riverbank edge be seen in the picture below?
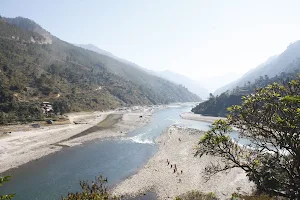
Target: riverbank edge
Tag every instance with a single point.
(158, 176)
(198, 117)
(22, 147)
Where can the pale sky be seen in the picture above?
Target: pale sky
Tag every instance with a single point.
(199, 39)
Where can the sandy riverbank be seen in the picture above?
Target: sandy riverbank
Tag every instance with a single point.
(27, 144)
(198, 117)
(157, 176)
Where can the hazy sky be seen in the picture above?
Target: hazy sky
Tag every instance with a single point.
(195, 38)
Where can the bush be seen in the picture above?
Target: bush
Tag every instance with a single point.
(7, 196)
(196, 195)
(94, 191)
(237, 196)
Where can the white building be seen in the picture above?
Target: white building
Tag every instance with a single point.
(46, 107)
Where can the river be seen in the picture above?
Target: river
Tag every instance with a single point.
(116, 158)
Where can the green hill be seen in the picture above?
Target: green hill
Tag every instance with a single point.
(36, 66)
(217, 105)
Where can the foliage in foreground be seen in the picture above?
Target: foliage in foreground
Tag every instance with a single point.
(252, 197)
(196, 195)
(270, 120)
(94, 191)
(6, 196)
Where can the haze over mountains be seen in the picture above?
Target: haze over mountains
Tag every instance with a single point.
(37, 66)
(192, 85)
(286, 62)
(211, 83)
(96, 49)
(279, 69)
(176, 78)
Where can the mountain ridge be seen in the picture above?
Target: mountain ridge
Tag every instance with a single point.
(29, 25)
(287, 61)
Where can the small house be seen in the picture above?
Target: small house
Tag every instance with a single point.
(46, 107)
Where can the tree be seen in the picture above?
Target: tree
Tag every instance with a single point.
(3, 118)
(60, 107)
(95, 191)
(270, 120)
(7, 196)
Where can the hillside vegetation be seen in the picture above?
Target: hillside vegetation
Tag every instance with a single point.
(217, 105)
(36, 66)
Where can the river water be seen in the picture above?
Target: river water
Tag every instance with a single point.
(116, 158)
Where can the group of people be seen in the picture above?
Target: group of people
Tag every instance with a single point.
(173, 166)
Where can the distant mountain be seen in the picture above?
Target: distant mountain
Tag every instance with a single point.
(168, 75)
(190, 84)
(36, 66)
(287, 62)
(211, 83)
(95, 49)
(131, 65)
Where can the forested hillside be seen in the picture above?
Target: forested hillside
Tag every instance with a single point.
(287, 61)
(217, 105)
(36, 66)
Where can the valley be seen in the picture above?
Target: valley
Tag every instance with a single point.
(115, 100)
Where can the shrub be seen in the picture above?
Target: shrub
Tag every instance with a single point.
(196, 195)
(94, 191)
(6, 196)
